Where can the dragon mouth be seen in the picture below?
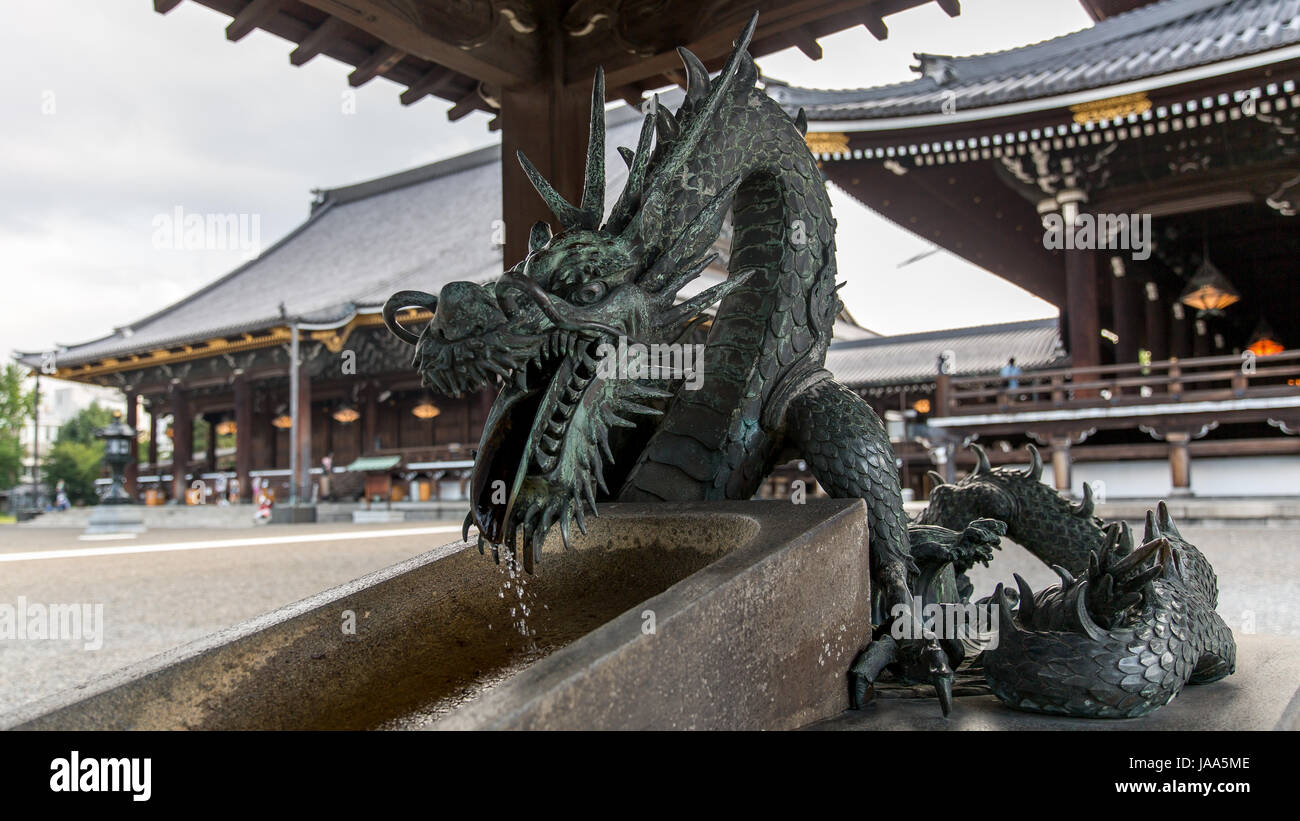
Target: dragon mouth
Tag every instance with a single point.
(528, 427)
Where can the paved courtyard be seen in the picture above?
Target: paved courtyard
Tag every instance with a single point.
(166, 588)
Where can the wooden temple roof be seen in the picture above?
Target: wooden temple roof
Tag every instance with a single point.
(468, 52)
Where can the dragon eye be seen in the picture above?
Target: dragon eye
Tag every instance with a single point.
(589, 293)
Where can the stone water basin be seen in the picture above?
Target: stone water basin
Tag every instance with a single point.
(757, 609)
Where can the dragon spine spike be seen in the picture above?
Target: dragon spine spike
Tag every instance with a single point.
(666, 125)
(936, 478)
(1083, 620)
(1138, 557)
(1067, 578)
(464, 529)
(697, 76)
(1152, 529)
(1035, 469)
(1085, 507)
(1026, 599)
(982, 465)
(801, 122)
(627, 154)
(1166, 521)
(682, 149)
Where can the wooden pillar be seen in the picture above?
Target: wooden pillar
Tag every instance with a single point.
(303, 445)
(1061, 463)
(1179, 332)
(182, 441)
(1082, 308)
(153, 437)
(547, 122)
(1124, 312)
(133, 462)
(369, 421)
(210, 449)
(1157, 325)
(243, 436)
(1180, 463)
(1200, 337)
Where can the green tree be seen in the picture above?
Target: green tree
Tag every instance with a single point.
(86, 424)
(17, 407)
(78, 464)
(77, 456)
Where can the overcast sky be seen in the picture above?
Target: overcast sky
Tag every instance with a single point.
(114, 114)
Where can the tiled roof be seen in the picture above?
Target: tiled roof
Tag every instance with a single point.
(913, 358)
(1157, 39)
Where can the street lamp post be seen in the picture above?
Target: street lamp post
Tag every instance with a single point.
(118, 439)
(117, 512)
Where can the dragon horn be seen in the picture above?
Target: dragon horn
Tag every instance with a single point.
(1166, 521)
(981, 460)
(560, 207)
(630, 198)
(697, 76)
(1035, 469)
(935, 477)
(627, 155)
(593, 189)
(592, 208)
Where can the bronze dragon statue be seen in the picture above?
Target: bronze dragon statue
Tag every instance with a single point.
(566, 434)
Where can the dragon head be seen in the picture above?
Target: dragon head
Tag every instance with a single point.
(545, 328)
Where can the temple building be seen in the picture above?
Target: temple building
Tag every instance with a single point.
(1143, 175)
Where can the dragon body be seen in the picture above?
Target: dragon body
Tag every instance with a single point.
(566, 433)
(1124, 630)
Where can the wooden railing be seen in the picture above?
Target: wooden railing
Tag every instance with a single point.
(1207, 378)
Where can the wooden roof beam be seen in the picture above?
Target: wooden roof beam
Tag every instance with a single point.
(435, 80)
(325, 35)
(466, 104)
(254, 14)
(386, 22)
(950, 7)
(875, 24)
(805, 41)
(164, 6)
(379, 62)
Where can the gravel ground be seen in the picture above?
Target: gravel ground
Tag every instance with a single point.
(156, 601)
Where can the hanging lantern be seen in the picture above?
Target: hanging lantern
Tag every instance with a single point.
(1209, 291)
(345, 414)
(1263, 342)
(284, 421)
(226, 427)
(426, 409)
